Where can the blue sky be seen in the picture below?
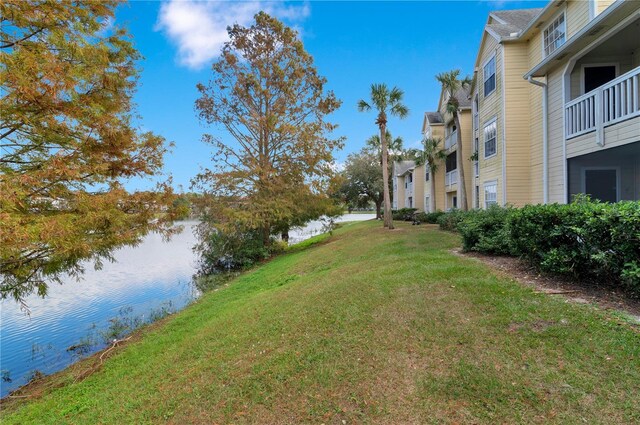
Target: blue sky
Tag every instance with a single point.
(354, 44)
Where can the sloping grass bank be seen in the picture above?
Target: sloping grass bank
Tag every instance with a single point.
(370, 326)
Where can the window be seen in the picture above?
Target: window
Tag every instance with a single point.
(490, 133)
(410, 202)
(426, 173)
(427, 204)
(410, 177)
(477, 203)
(450, 163)
(489, 76)
(490, 194)
(554, 35)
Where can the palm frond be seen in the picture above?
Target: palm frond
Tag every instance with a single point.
(363, 106)
(399, 110)
(380, 96)
(395, 95)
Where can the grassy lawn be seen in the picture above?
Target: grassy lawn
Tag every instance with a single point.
(368, 326)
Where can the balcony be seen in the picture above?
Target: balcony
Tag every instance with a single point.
(451, 177)
(451, 140)
(408, 187)
(611, 103)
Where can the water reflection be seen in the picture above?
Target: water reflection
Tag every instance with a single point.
(74, 318)
(142, 278)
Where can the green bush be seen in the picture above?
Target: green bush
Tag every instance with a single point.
(486, 231)
(404, 214)
(431, 217)
(449, 221)
(228, 251)
(586, 240)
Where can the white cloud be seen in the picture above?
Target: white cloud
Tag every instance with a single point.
(199, 29)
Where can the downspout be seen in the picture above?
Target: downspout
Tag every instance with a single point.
(545, 140)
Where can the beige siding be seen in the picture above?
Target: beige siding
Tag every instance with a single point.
(437, 132)
(400, 198)
(624, 64)
(577, 16)
(517, 124)
(535, 125)
(601, 5)
(619, 134)
(489, 108)
(418, 188)
(556, 138)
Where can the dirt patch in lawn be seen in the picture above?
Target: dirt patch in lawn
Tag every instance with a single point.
(515, 268)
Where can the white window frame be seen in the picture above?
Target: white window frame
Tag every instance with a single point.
(484, 138)
(595, 65)
(560, 14)
(489, 184)
(427, 203)
(495, 74)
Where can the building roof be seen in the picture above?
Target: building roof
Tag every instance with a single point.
(464, 97)
(509, 23)
(435, 117)
(401, 167)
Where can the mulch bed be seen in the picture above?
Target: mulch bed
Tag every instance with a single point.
(519, 270)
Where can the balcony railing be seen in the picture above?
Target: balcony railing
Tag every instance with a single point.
(451, 140)
(616, 101)
(408, 187)
(451, 177)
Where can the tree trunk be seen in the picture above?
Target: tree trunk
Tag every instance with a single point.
(432, 198)
(388, 220)
(284, 235)
(379, 210)
(266, 235)
(462, 188)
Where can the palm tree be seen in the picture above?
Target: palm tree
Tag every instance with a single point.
(386, 102)
(432, 156)
(394, 146)
(452, 85)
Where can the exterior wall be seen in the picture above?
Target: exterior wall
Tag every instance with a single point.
(577, 16)
(437, 132)
(399, 196)
(557, 164)
(418, 188)
(615, 135)
(601, 5)
(624, 64)
(517, 129)
(467, 150)
(490, 108)
(627, 164)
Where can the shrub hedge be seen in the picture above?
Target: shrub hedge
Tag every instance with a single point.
(404, 214)
(586, 240)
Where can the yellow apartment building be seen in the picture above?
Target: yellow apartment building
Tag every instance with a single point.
(556, 104)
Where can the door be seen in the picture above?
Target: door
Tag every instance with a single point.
(601, 184)
(595, 76)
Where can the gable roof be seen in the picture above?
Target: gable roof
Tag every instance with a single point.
(401, 167)
(434, 117)
(507, 24)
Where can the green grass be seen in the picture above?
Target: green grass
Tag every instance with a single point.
(370, 326)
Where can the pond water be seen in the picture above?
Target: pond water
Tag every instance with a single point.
(78, 318)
